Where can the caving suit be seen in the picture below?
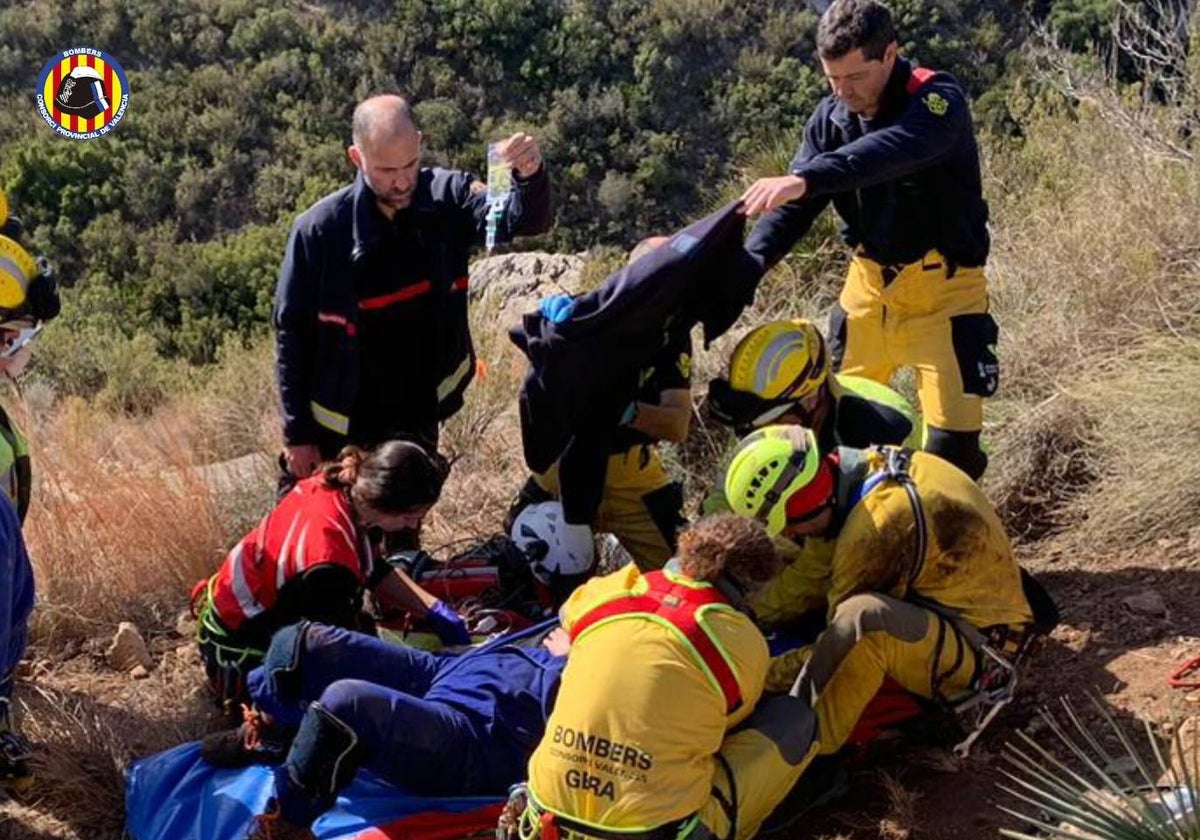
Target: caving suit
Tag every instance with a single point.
(920, 575)
(432, 724)
(16, 605)
(655, 733)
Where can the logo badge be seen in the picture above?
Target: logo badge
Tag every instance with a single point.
(936, 104)
(82, 93)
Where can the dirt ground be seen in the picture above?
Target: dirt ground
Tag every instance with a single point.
(88, 722)
(907, 791)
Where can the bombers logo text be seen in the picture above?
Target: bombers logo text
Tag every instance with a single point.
(82, 93)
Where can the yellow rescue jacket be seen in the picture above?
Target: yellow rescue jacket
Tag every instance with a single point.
(630, 744)
(949, 551)
(965, 568)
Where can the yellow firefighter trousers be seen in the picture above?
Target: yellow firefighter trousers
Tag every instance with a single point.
(917, 317)
(765, 757)
(872, 637)
(640, 507)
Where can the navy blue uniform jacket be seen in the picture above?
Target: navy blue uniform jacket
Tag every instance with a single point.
(904, 183)
(344, 237)
(584, 371)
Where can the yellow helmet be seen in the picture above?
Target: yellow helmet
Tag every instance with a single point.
(17, 270)
(768, 467)
(28, 291)
(781, 359)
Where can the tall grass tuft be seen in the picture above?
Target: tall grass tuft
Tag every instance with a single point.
(121, 524)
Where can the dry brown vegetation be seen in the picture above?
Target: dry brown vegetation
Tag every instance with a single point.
(1096, 285)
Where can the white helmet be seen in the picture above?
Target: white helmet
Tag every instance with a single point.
(554, 547)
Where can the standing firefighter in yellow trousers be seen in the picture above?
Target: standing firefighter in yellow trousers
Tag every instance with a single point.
(893, 148)
(923, 587)
(661, 666)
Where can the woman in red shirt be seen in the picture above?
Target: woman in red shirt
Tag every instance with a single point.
(313, 557)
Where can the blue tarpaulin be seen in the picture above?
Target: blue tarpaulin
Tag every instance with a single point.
(176, 795)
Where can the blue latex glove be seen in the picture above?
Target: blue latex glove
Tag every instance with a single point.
(556, 308)
(630, 414)
(448, 624)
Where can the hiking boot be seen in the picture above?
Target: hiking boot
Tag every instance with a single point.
(16, 778)
(271, 825)
(256, 741)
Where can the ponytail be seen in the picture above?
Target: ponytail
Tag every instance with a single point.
(343, 472)
(394, 477)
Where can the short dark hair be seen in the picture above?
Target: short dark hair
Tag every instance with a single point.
(849, 25)
(738, 545)
(395, 477)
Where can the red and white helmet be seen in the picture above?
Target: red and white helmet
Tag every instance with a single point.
(554, 547)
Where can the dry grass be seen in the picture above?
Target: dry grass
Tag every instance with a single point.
(1147, 410)
(484, 441)
(901, 820)
(1096, 285)
(119, 527)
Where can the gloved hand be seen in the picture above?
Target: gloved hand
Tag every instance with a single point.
(556, 308)
(448, 624)
(630, 414)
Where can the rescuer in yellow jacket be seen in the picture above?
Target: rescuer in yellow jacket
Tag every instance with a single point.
(641, 503)
(779, 374)
(921, 575)
(661, 665)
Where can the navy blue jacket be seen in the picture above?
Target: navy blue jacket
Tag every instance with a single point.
(904, 183)
(585, 371)
(343, 237)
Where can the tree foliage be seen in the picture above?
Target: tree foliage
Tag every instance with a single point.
(172, 225)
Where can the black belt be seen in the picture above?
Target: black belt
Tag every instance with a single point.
(670, 831)
(889, 271)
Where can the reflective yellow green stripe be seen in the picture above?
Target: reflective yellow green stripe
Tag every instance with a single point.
(695, 654)
(331, 420)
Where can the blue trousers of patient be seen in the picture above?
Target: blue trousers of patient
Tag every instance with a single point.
(432, 724)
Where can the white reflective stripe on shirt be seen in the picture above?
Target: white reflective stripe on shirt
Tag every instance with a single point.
(247, 603)
(282, 561)
(347, 534)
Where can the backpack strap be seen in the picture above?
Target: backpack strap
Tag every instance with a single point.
(679, 606)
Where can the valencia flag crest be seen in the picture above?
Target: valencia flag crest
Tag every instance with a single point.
(82, 93)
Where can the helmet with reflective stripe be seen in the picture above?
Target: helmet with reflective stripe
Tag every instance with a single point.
(768, 467)
(17, 270)
(780, 359)
(28, 291)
